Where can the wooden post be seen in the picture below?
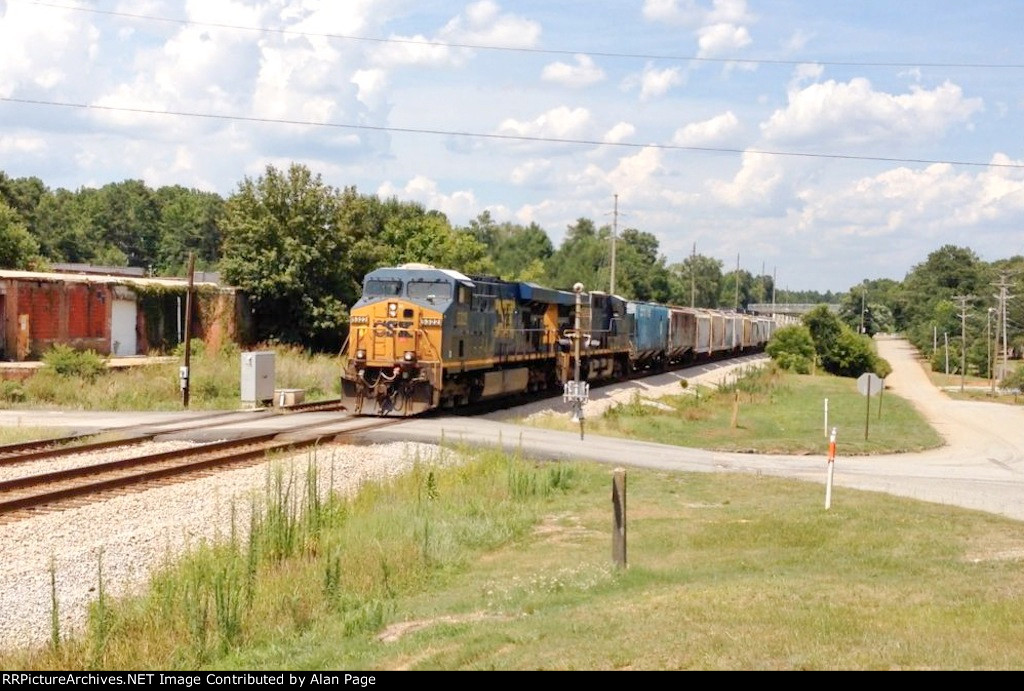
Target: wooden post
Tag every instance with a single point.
(619, 514)
(185, 373)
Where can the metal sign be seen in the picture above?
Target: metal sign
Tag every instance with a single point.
(869, 384)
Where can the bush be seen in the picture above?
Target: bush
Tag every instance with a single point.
(1014, 381)
(68, 362)
(792, 348)
(11, 391)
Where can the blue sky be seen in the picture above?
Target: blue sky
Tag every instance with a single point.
(823, 142)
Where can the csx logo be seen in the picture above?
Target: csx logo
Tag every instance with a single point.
(388, 328)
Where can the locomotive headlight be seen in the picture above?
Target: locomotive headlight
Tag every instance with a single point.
(360, 354)
(392, 309)
(409, 356)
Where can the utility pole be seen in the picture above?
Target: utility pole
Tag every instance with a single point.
(945, 337)
(1003, 297)
(185, 373)
(737, 306)
(693, 275)
(963, 337)
(775, 281)
(988, 350)
(615, 231)
(863, 298)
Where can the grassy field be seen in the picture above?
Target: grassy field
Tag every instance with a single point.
(77, 382)
(502, 564)
(974, 389)
(767, 411)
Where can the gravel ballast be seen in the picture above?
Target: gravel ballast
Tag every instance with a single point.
(136, 533)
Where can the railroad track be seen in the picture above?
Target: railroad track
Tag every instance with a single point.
(24, 452)
(28, 496)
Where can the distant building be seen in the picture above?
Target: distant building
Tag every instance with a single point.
(113, 315)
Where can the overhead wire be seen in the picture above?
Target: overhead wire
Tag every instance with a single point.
(522, 49)
(507, 137)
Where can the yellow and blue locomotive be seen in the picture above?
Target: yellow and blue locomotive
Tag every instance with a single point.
(422, 338)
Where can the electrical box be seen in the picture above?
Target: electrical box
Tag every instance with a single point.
(258, 377)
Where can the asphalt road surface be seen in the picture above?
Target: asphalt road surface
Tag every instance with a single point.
(981, 466)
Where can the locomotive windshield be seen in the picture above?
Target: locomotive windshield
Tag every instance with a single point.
(377, 286)
(438, 290)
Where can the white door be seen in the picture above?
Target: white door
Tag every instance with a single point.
(122, 328)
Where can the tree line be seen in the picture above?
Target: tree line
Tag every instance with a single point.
(300, 248)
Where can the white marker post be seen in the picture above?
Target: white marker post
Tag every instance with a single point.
(831, 468)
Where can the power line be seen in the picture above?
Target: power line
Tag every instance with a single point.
(514, 49)
(503, 137)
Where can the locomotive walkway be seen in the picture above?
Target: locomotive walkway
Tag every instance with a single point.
(981, 466)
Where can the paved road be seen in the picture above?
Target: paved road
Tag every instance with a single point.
(981, 466)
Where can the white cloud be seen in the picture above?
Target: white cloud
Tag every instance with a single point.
(720, 29)
(730, 12)
(43, 47)
(854, 113)
(458, 204)
(531, 171)
(372, 86)
(707, 132)
(806, 72)
(561, 123)
(21, 144)
(621, 132)
(483, 23)
(655, 82)
(416, 50)
(797, 41)
(718, 39)
(632, 177)
(685, 12)
(583, 73)
(755, 184)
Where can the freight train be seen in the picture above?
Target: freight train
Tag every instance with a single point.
(421, 338)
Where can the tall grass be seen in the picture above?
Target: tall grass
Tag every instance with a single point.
(72, 382)
(768, 410)
(504, 564)
(309, 553)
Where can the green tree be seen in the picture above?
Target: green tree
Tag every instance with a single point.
(851, 355)
(127, 218)
(825, 329)
(65, 230)
(696, 281)
(189, 222)
(519, 252)
(792, 348)
(18, 249)
(390, 232)
(283, 246)
(728, 295)
(583, 253)
(640, 271)
(23, 196)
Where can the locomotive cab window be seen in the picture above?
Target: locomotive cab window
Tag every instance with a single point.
(378, 287)
(430, 290)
